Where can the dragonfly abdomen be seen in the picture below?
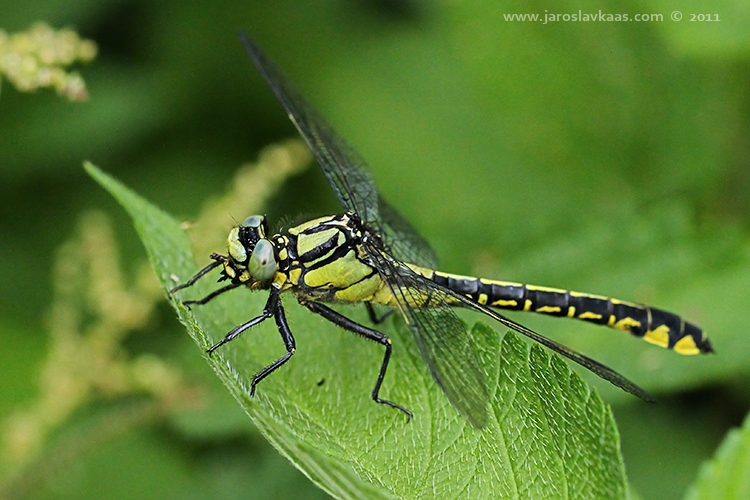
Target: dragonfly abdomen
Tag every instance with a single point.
(653, 325)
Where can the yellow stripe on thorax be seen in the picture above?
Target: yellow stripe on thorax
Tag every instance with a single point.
(308, 242)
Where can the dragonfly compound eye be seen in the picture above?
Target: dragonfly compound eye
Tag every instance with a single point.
(243, 238)
(255, 221)
(262, 265)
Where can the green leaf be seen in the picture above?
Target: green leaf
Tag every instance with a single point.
(727, 475)
(548, 436)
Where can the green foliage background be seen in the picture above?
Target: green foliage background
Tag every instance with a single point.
(606, 157)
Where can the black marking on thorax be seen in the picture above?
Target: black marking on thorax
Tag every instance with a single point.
(322, 249)
(312, 259)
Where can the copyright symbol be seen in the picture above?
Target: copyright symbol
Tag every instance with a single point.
(676, 15)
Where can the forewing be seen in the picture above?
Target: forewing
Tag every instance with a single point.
(344, 168)
(402, 240)
(346, 171)
(443, 341)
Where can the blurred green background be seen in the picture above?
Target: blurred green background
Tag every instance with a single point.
(607, 157)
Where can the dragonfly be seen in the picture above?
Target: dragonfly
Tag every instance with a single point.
(370, 254)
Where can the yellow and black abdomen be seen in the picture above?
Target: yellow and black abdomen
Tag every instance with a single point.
(653, 325)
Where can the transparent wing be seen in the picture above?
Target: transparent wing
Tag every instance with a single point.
(402, 240)
(438, 336)
(592, 365)
(345, 169)
(443, 341)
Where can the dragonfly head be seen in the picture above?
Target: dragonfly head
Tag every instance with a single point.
(251, 255)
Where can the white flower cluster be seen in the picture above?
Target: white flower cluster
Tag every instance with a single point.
(37, 57)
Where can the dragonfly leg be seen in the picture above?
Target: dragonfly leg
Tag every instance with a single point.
(286, 336)
(210, 296)
(217, 261)
(269, 310)
(273, 308)
(374, 315)
(368, 333)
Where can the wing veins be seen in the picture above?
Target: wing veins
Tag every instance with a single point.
(590, 364)
(441, 336)
(346, 171)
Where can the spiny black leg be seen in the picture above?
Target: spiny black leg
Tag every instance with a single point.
(210, 296)
(268, 311)
(217, 262)
(367, 333)
(374, 316)
(286, 336)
